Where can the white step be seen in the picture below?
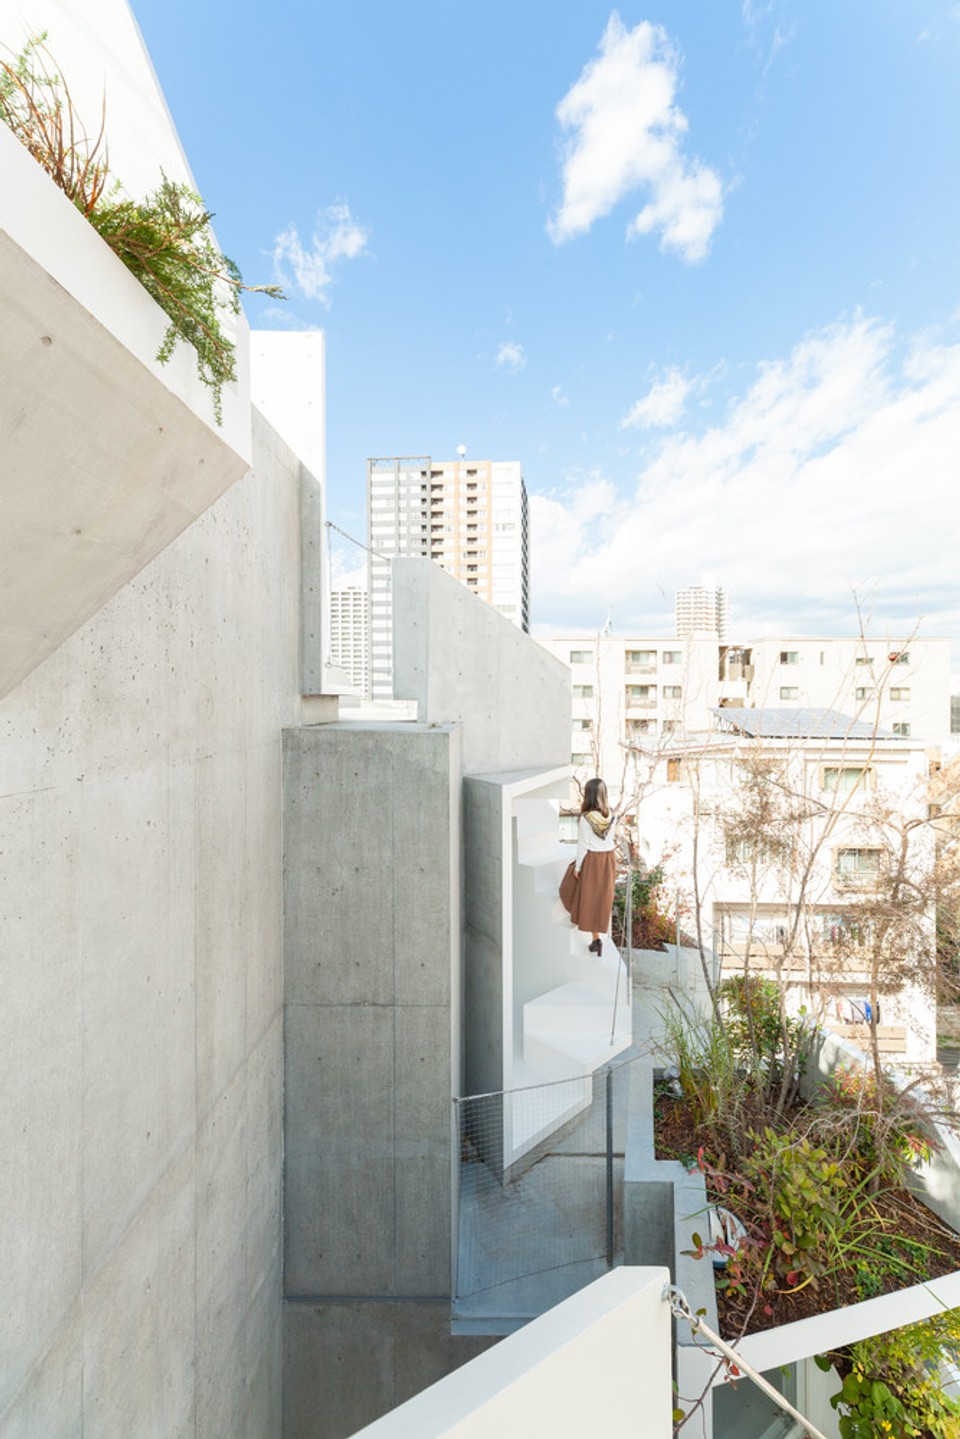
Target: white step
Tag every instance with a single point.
(536, 815)
(569, 1006)
(544, 849)
(561, 1053)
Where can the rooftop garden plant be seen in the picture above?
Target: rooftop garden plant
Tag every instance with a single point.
(822, 1213)
(819, 1186)
(164, 239)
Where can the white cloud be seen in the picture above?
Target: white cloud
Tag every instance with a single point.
(310, 272)
(768, 30)
(558, 396)
(834, 471)
(662, 405)
(348, 567)
(627, 134)
(510, 357)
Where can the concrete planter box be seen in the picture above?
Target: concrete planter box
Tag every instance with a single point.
(105, 455)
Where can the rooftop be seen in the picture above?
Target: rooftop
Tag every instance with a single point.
(797, 723)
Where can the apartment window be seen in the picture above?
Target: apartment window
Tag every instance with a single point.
(583, 692)
(641, 726)
(841, 779)
(581, 657)
(900, 657)
(789, 657)
(858, 864)
(670, 727)
(641, 694)
(578, 758)
(789, 692)
(672, 692)
(846, 929)
(583, 724)
(674, 771)
(898, 692)
(641, 657)
(672, 657)
(862, 692)
(864, 660)
(902, 729)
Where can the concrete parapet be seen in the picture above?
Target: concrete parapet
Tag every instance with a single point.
(461, 660)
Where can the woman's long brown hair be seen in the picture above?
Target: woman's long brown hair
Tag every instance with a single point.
(595, 797)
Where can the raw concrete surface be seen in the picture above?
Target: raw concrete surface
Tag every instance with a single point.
(348, 1362)
(462, 661)
(141, 1029)
(372, 959)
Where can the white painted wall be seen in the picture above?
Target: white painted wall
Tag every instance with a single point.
(101, 55)
(597, 1364)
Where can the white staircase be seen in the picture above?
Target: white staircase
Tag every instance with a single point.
(584, 1020)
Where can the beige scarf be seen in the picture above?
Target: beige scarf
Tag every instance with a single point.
(598, 822)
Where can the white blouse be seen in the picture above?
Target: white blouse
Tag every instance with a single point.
(587, 838)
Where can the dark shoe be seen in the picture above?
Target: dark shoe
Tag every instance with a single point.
(595, 946)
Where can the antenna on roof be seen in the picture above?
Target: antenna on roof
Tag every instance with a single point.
(461, 450)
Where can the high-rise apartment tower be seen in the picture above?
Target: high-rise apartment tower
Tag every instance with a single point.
(349, 633)
(470, 516)
(701, 610)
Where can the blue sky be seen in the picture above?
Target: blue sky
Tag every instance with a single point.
(696, 265)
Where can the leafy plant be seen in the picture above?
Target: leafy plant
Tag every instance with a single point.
(891, 1382)
(35, 105)
(651, 925)
(884, 1131)
(762, 1035)
(165, 239)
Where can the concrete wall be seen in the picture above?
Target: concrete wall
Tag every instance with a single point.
(141, 1028)
(373, 892)
(487, 987)
(460, 660)
(372, 900)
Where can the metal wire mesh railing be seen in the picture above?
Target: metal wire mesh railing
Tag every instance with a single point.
(540, 1194)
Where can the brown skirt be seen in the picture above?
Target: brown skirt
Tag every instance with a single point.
(589, 899)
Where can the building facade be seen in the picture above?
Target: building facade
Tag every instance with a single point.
(656, 692)
(469, 516)
(349, 633)
(701, 609)
(802, 847)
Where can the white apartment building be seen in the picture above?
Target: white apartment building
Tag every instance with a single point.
(800, 893)
(470, 516)
(657, 692)
(701, 609)
(349, 633)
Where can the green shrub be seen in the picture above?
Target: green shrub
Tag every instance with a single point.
(892, 1383)
(165, 240)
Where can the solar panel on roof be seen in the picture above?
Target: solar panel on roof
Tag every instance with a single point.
(797, 724)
